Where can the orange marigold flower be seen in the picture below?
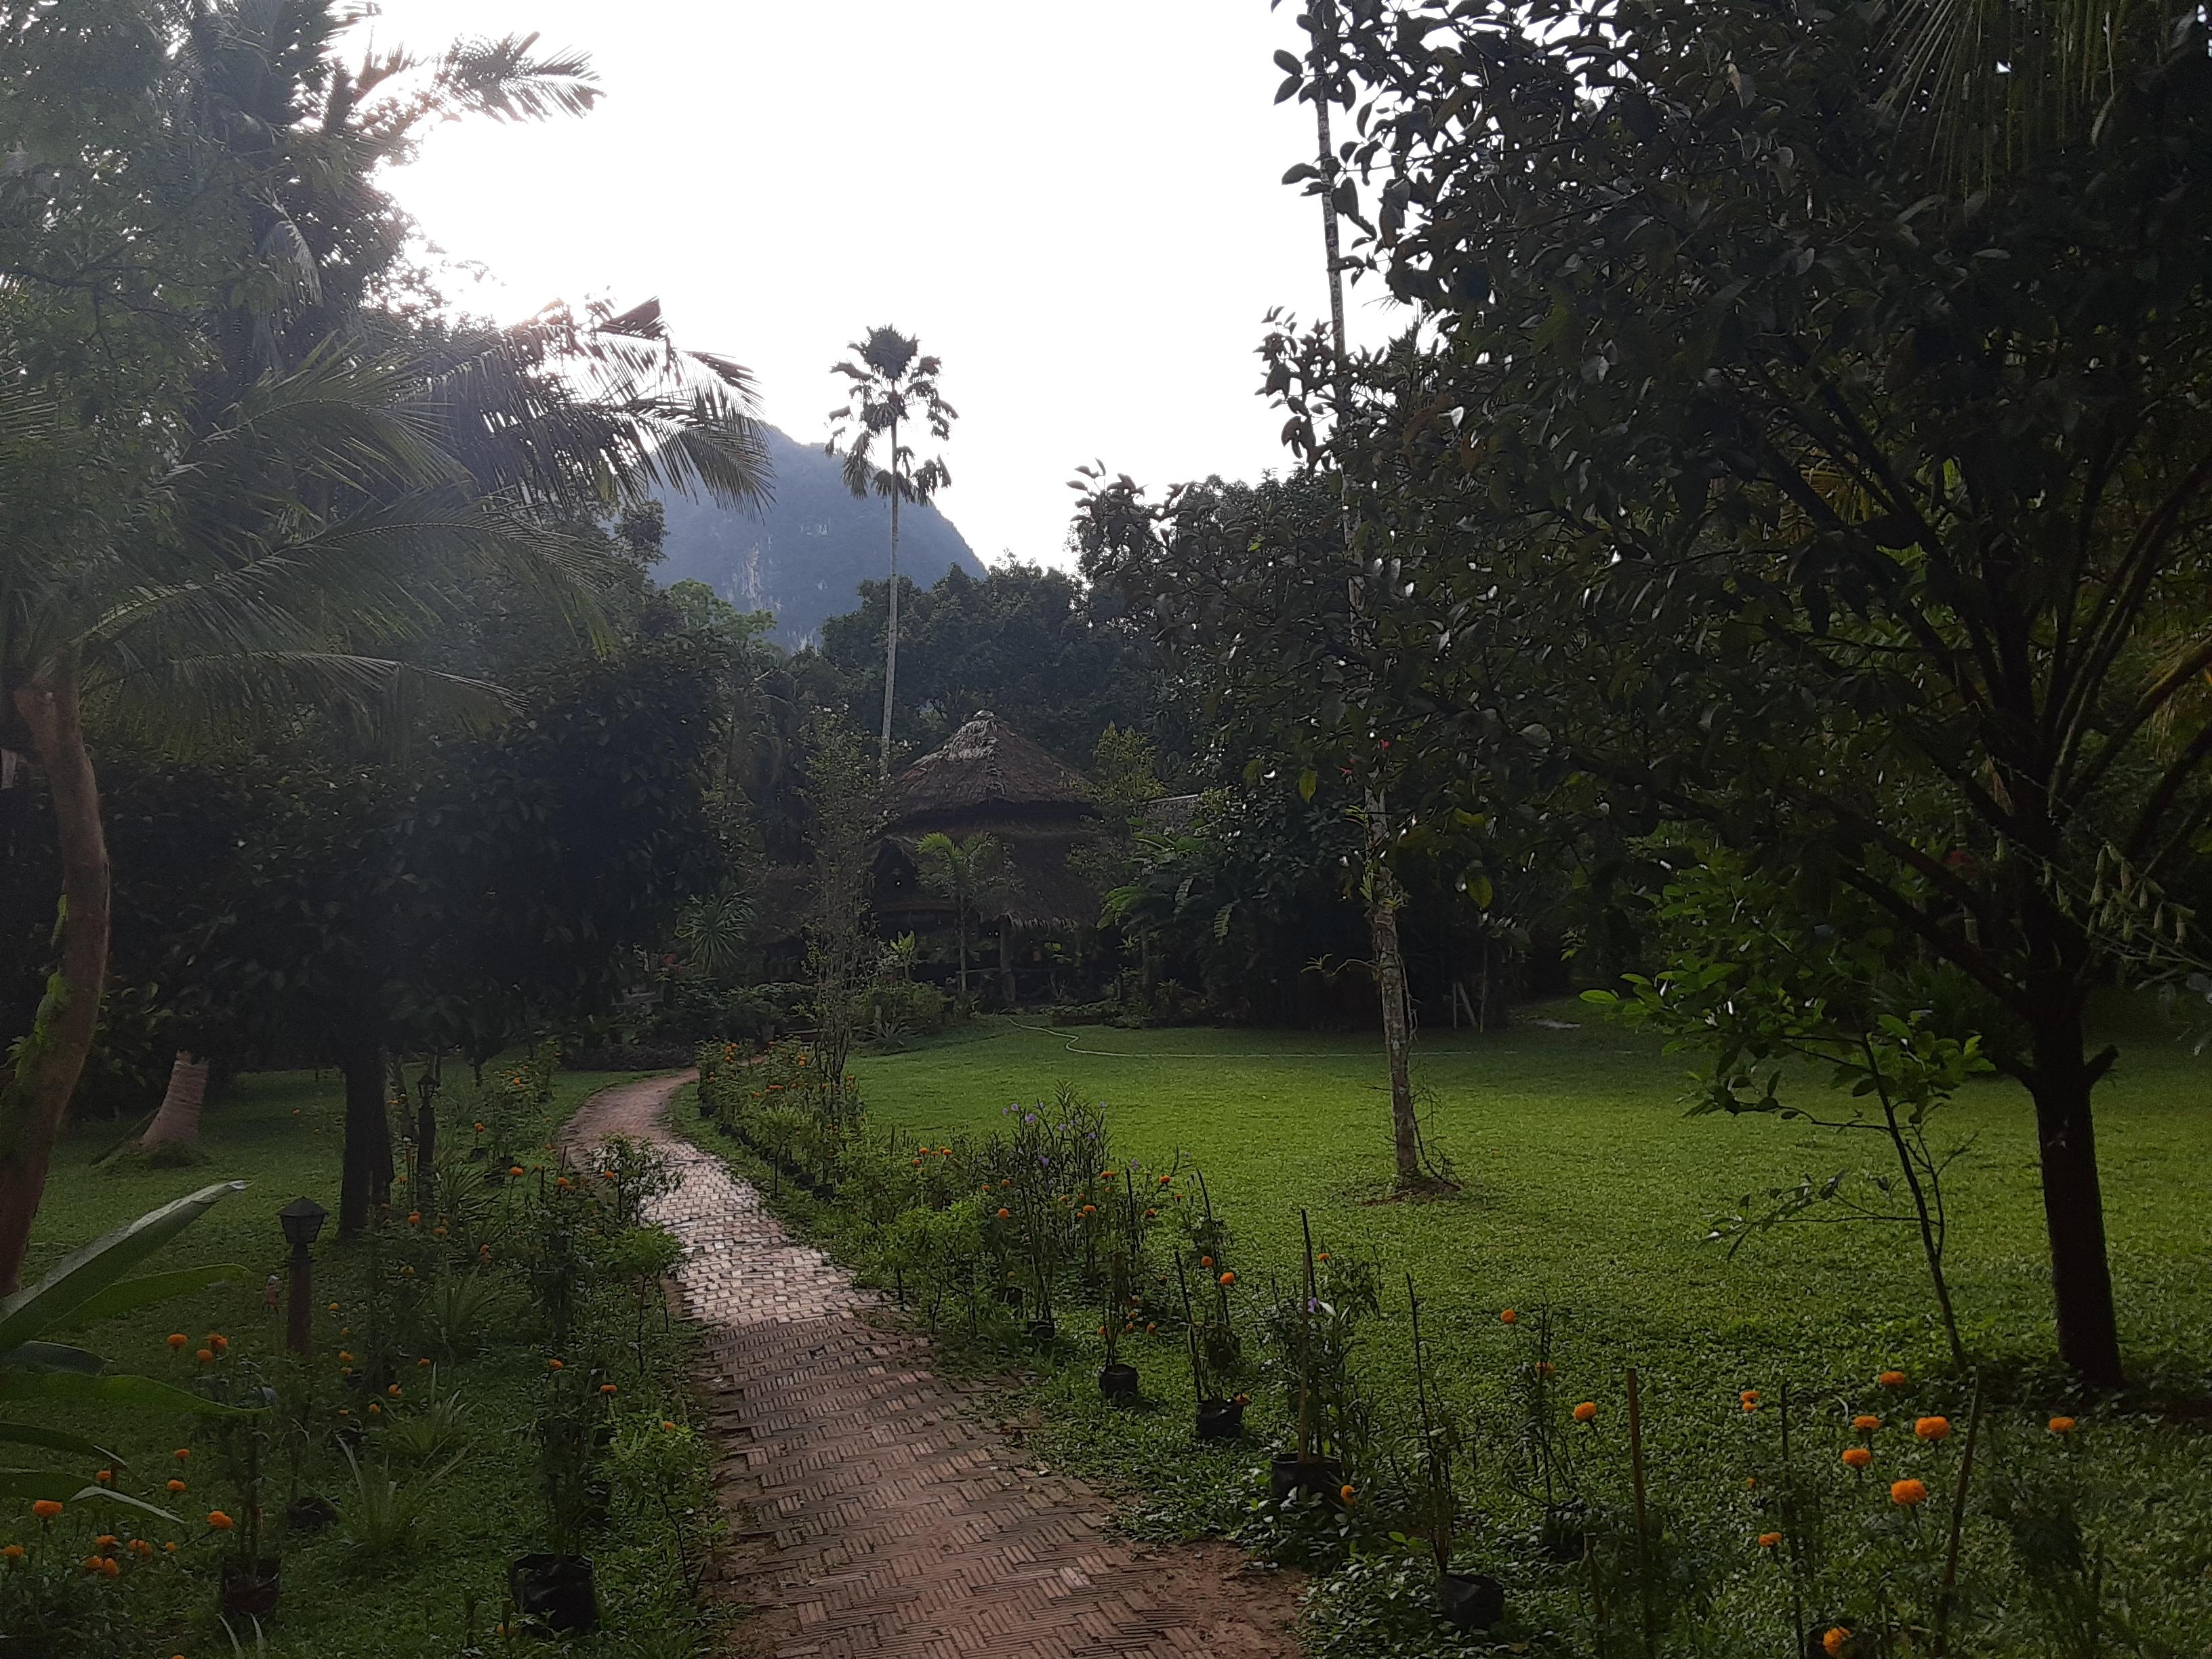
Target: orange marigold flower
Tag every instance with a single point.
(391, 1393)
(103, 1476)
(219, 1521)
(480, 1128)
(1091, 1209)
(334, 1307)
(205, 1355)
(170, 1549)
(1587, 1411)
(2062, 1426)
(1347, 1493)
(1228, 1279)
(606, 1388)
(552, 1364)
(141, 1546)
(1838, 1640)
(1750, 1398)
(344, 1359)
(1767, 1541)
(1005, 1215)
(106, 1540)
(12, 1551)
(375, 1410)
(220, 1344)
(1206, 1261)
(514, 1169)
(414, 1217)
(177, 1339)
(176, 1486)
(667, 1422)
(1857, 1457)
(1906, 1493)
(1891, 1379)
(182, 1453)
(1866, 1423)
(1509, 1317)
(1933, 1428)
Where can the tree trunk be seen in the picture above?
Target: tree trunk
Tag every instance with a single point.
(964, 954)
(891, 635)
(426, 1124)
(2073, 1204)
(1397, 1026)
(366, 1174)
(51, 1058)
(179, 1119)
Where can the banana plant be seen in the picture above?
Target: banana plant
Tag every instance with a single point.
(89, 1285)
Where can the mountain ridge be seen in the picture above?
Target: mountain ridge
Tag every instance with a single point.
(804, 555)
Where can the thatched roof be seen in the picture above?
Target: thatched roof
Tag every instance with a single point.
(986, 775)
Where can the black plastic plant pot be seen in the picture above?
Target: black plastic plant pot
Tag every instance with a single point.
(1118, 1381)
(1564, 1532)
(1012, 1296)
(1220, 1419)
(555, 1590)
(309, 1514)
(1291, 1475)
(250, 1587)
(1042, 1330)
(1471, 1601)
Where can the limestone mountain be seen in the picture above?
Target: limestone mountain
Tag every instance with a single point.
(805, 554)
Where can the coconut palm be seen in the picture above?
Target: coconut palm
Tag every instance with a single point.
(891, 384)
(256, 496)
(1993, 82)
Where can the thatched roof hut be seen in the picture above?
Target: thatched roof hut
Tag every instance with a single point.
(990, 780)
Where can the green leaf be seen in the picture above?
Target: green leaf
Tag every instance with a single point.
(1480, 890)
(51, 1357)
(1308, 781)
(27, 1434)
(86, 1272)
(153, 1287)
(19, 1487)
(71, 1388)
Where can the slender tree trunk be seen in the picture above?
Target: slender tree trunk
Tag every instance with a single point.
(2073, 1203)
(50, 1059)
(365, 1178)
(1382, 889)
(426, 1124)
(891, 635)
(963, 953)
(179, 1119)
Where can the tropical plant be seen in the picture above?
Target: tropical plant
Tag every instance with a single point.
(890, 384)
(89, 1285)
(437, 1426)
(381, 1516)
(972, 874)
(269, 500)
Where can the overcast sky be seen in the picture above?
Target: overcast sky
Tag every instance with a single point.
(1074, 203)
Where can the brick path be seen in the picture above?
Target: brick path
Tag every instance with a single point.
(875, 1514)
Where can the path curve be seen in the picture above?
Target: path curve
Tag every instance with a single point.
(873, 1513)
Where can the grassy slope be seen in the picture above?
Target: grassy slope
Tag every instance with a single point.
(281, 1132)
(1589, 1192)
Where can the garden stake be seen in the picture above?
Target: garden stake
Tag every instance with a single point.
(1596, 1593)
(1958, 1521)
(1189, 1329)
(1643, 1525)
(1306, 1345)
(1790, 1527)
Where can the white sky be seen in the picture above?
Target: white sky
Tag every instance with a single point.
(1074, 203)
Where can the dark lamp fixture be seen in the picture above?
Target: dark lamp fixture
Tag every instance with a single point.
(303, 1221)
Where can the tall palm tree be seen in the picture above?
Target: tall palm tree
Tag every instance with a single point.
(257, 493)
(891, 386)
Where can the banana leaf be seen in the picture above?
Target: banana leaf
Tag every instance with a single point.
(26, 1434)
(51, 1357)
(70, 1388)
(85, 1273)
(145, 1291)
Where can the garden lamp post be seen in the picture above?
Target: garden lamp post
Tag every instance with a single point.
(303, 1219)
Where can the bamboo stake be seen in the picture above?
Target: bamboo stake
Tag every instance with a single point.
(1958, 1522)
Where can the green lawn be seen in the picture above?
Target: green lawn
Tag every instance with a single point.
(1587, 1194)
(281, 1132)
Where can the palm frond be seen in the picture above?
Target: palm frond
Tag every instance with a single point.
(181, 702)
(506, 80)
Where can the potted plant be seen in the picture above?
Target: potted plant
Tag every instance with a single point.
(247, 1579)
(1315, 1338)
(1214, 1354)
(555, 1587)
(1125, 1234)
(1469, 1601)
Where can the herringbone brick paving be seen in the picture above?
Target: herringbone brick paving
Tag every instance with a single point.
(876, 1514)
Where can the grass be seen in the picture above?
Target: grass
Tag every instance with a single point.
(281, 1132)
(1588, 1195)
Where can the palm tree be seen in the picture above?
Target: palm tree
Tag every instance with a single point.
(1995, 83)
(891, 384)
(257, 496)
(968, 872)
